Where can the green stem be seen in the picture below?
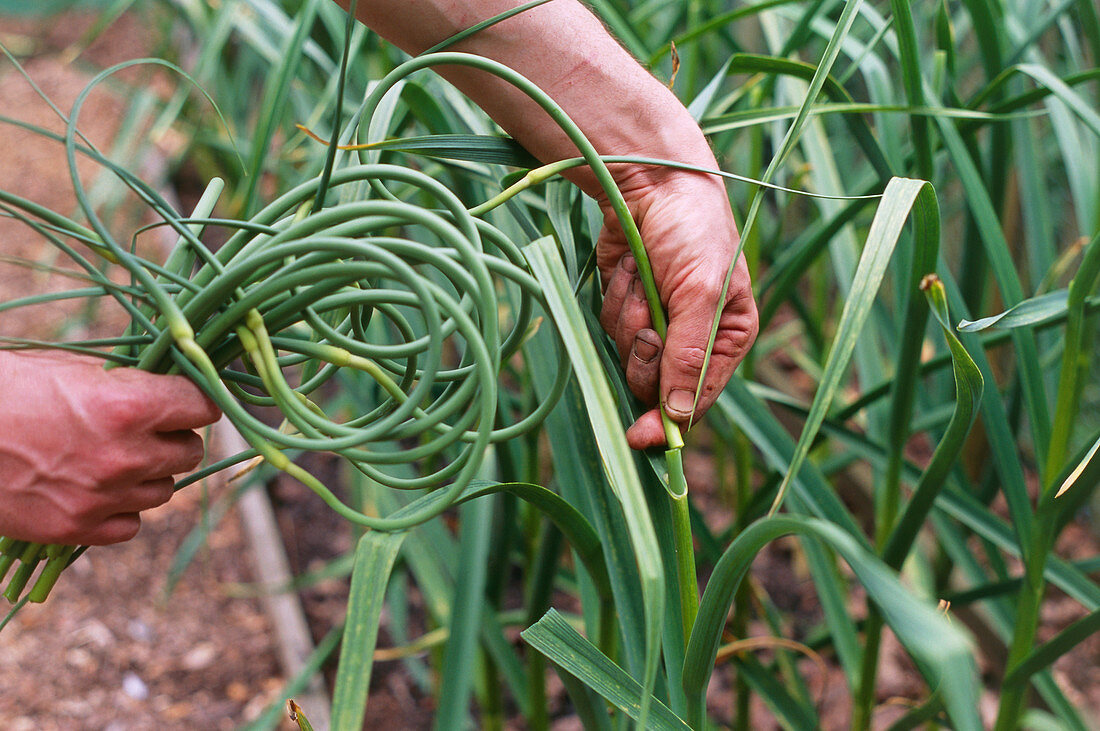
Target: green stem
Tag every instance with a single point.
(57, 559)
(1075, 364)
(687, 579)
(1029, 604)
(492, 704)
(28, 562)
(1014, 697)
(10, 550)
(864, 702)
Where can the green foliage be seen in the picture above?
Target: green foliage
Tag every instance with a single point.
(955, 139)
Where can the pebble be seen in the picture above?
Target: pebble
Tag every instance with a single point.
(135, 687)
(202, 656)
(140, 631)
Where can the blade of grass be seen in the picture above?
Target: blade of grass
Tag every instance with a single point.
(471, 148)
(563, 646)
(456, 680)
(1032, 311)
(1046, 654)
(611, 440)
(374, 558)
(947, 664)
(832, 50)
(580, 479)
(968, 385)
(901, 197)
(1076, 363)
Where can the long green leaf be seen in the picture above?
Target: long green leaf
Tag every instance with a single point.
(968, 387)
(456, 680)
(1076, 362)
(489, 149)
(579, 475)
(947, 663)
(566, 648)
(1032, 311)
(374, 558)
(1046, 654)
(610, 438)
(902, 196)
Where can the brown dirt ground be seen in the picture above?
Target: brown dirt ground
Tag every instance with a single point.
(110, 651)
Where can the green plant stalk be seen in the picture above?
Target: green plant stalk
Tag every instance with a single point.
(1075, 364)
(687, 578)
(909, 56)
(28, 562)
(541, 573)
(10, 551)
(58, 558)
(1028, 606)
(490, 691)
(863, 701)
(1029, 603)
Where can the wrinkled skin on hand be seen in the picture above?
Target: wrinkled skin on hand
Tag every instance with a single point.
(690, 237)
(83, 450)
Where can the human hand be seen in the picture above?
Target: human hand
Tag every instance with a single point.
(690, 238)
(84, 450)
(686, 223)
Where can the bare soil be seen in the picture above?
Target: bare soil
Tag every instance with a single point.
(111, 651)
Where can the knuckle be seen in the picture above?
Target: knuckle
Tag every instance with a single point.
(124, 409)
(130, 530)
(118, 464)
(119, 529)
(183, 389)
(741, 324)
(158, 493)
(71, 524)
(742, 338)
(165, 491)
(609, 318)
(687, 358)
(191, 450)
(213, 411)
(66, 530)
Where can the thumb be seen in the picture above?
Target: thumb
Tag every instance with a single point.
(686, 353)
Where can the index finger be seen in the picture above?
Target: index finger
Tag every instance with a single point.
(175, 403)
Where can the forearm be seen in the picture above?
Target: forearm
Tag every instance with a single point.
(564, 49)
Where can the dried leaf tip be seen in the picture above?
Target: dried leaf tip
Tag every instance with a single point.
(675, 64)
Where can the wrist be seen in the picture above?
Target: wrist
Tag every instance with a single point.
(672, 136)
(626, 112)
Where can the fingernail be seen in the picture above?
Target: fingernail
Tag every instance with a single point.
(645, 349)
(628, 264)
(637, 288)
(679, 402)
